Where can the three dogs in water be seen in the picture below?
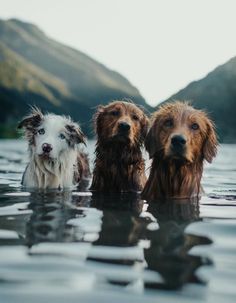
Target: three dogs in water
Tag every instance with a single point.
(178, 139)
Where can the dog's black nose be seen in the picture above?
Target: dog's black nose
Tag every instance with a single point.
(124, 126)
(178, 141)
(46, 147)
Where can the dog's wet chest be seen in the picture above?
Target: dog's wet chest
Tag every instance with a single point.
(54, 175)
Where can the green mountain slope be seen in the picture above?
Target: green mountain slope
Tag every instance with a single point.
(35, 69)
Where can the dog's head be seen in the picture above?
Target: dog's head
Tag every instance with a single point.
(180, 132)
(50, 135)
(121, 122)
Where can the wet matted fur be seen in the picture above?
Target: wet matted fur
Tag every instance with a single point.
(121, 128)
(179, 140)
(55, 158)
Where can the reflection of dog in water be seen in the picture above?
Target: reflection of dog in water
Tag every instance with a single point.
(121, 222)
(51, 212)
(169, 245)
(125, 225)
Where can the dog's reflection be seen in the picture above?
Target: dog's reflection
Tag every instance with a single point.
(127, 220)
(51, 211)
(156, 232)
(169, 248)
(121, 224)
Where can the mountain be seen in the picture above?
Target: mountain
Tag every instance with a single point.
(37, 70)
(216, 93)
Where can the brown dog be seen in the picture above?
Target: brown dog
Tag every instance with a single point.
(121, 128)
(179, 140)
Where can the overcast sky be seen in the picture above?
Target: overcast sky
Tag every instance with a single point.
(159, 45)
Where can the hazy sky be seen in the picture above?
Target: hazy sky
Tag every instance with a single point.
(159, 45)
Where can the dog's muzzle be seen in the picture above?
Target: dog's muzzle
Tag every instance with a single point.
(178, 144)
(124, 127)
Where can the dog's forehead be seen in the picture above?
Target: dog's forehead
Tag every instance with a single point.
(114, 106)
(54, 122)
(189, 113)
(124, 106)
(133, 108)
(180, 111)
(184, 114)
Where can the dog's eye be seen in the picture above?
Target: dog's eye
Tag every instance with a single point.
(135, 117)
(41, 131)
(61, 136)
(195, 126)
(115, 113)
(169, 123)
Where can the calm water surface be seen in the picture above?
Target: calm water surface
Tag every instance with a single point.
(71, 246)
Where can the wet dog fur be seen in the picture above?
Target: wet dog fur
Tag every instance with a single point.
(55, 158)
(179, 140)
(121, 128)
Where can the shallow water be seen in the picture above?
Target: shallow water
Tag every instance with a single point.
(77, 247)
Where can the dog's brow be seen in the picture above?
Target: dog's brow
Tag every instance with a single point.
(183, 115)
(189, 115)
(193, 116)
(110, 109)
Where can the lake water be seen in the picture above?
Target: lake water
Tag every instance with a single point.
(73, 247)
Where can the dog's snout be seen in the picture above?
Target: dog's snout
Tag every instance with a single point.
(124, 126)
(178, 141)
(46, 147)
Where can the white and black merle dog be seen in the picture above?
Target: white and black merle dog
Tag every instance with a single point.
(55, 158)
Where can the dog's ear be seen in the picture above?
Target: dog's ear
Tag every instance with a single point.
(97, 119)
(211, 142)
(75, 133)
(151, 143)
(31, 121)
(144, 126)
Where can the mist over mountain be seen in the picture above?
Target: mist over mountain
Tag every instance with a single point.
(37, 70)
(216, 93)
